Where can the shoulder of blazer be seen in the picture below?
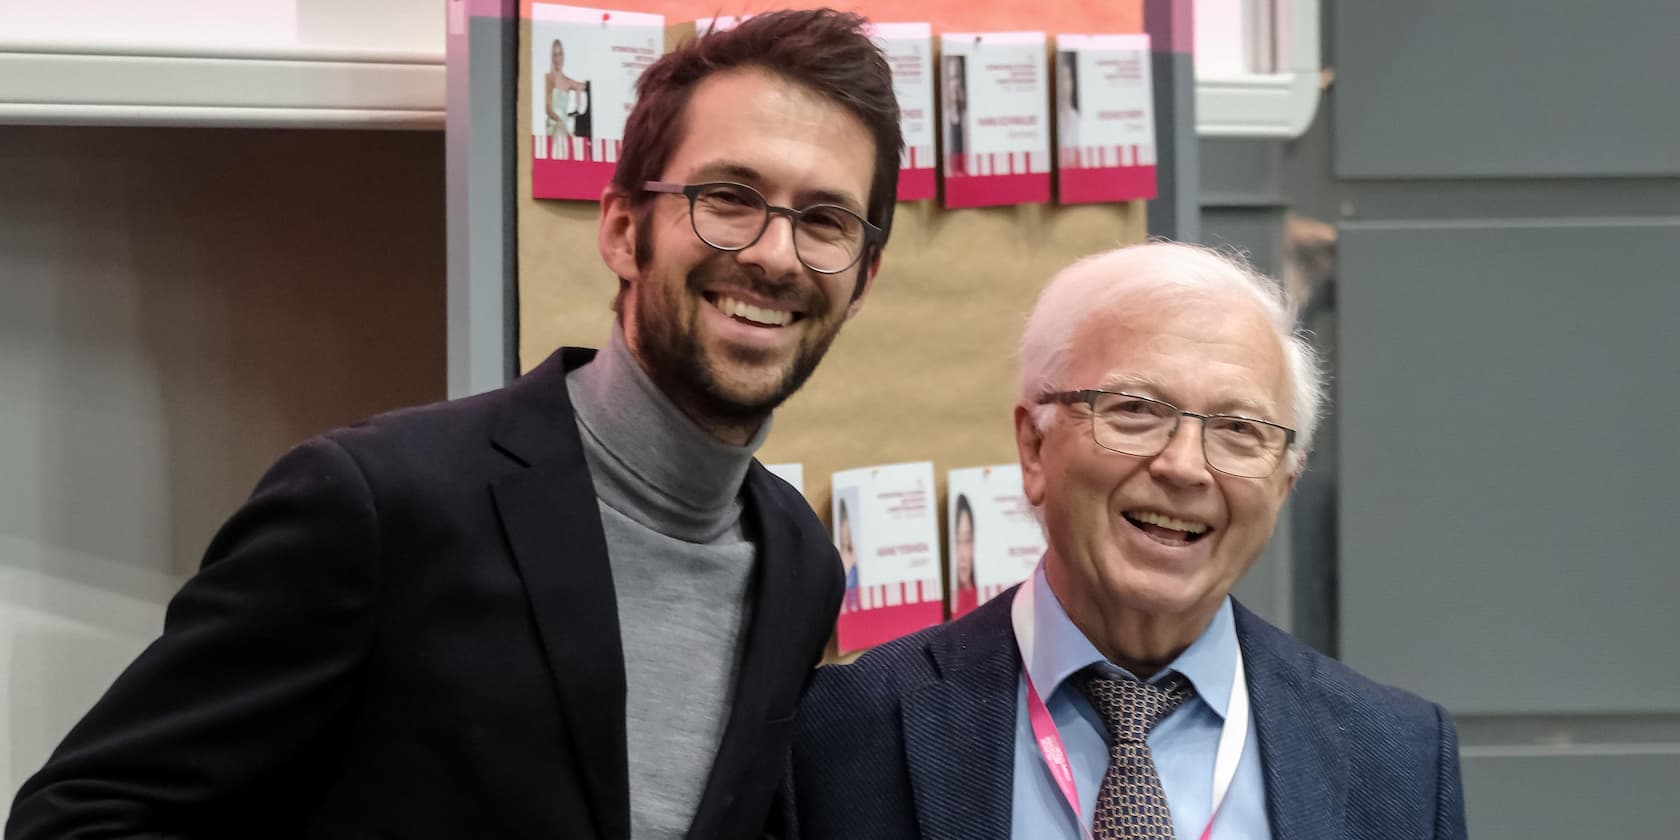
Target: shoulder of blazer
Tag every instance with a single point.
(520, 419)
(879, 679)
(788, 503)
(1355, 701)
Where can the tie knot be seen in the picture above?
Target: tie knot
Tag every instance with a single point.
(1131, 708)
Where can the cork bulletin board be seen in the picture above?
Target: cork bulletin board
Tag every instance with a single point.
(926, 370)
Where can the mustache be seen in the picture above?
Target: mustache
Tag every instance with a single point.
(721, 270)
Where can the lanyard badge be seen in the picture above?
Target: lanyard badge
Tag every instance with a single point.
(1232, 736)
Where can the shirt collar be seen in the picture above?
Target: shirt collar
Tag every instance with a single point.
(1054, 649)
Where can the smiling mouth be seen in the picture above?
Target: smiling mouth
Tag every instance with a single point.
(758, 316)
(1167, 529)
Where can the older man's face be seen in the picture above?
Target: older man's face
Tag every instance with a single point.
(1165, 535)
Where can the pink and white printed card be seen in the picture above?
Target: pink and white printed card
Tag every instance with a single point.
(888, 538)
(909, 51)
(584, 66)
(995, 539)
(994, 118)
(1105, 119)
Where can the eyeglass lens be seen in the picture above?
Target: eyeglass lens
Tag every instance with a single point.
(828, 238)
(1142, 427)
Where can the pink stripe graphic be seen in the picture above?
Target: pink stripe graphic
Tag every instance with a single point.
(993, 190)
(571, 179)
(867, 628)
(1089, 186)
(917, 184)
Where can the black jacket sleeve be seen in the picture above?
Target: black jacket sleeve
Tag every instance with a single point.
(222, 719)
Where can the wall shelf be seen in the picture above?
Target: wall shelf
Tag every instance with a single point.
(70, 84)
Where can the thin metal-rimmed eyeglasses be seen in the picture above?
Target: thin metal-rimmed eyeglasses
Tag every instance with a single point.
(1140, 426)
(827, 238)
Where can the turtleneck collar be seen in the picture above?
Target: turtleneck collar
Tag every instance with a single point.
(649, 460)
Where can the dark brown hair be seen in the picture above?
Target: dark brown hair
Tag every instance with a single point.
(823, 49)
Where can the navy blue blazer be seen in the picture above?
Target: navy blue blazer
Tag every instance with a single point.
(916, 739)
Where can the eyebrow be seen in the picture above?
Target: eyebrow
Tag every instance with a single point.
(735, 171)
(1242, 406)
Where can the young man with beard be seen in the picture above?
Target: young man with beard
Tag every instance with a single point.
(575, 607)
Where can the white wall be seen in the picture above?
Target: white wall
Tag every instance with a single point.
(178, 307)
(386, 25)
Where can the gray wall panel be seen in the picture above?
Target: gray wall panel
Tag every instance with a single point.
(1523, 797)
(1507, 88)
(1241, 173)
(482, 287)
(1508, 408)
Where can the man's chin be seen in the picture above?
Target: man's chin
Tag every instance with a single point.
(746, 398)
(750, 385)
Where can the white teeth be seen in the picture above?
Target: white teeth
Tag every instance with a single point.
(1150, 517)
(756, 314)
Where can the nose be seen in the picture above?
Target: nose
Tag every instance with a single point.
(774, 253)
(1183, 462)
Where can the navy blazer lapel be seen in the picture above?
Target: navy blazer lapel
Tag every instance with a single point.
(766, 657)
(1303, 757)
(959, 732)
(553, 525)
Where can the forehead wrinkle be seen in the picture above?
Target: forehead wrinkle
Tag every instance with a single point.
(1146, 386)
(1130, 382)
(1251, 405)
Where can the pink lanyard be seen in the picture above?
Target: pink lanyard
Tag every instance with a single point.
(1231, 738)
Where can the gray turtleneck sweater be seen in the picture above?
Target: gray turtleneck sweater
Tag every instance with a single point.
(670, 498)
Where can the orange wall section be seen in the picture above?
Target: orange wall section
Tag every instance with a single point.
(1053, 16)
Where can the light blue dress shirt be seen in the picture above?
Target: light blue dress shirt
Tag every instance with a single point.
(1183, 745)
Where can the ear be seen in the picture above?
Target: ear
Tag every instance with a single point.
(616, 235)
(1294, 476)
(1029, 442)
(868, 282)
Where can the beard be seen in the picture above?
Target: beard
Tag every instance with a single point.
(697, 377)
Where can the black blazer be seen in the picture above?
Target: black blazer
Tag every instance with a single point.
(409, 631)
(917, 740)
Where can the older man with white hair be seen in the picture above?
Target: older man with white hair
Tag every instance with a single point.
(1167, 404)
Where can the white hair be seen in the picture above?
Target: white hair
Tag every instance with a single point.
(1153, 274)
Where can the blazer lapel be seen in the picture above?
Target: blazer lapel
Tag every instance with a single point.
(550, 515)
(959, 732)
(1304, 762)
(764, 655)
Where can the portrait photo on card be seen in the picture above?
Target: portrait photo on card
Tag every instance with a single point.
(1067, 106)
(954, 83)
(963, 597)
(845, 519)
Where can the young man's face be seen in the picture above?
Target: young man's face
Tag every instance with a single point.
(730, 335)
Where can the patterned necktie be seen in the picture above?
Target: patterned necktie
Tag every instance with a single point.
(1131, 804)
